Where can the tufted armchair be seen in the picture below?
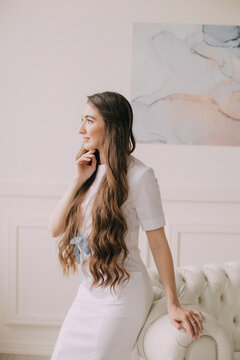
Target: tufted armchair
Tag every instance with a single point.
(213, 289)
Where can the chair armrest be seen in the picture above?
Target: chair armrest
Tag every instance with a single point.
(161, 339)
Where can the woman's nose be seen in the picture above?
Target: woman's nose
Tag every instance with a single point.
(82, 129)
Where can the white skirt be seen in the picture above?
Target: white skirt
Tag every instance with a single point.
(103, 326)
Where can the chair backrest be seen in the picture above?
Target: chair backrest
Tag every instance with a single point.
(214, 288)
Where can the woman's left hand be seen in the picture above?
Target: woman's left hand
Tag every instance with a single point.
(192, 319)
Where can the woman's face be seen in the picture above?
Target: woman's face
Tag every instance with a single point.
(92, 128)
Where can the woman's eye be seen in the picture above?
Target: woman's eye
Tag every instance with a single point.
(87, 120)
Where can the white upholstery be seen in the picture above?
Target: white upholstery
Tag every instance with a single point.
(214, 289)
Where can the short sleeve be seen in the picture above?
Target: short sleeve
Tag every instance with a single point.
(147, 200)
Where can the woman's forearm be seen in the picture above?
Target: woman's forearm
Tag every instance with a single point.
(58, 215)
(164, 262)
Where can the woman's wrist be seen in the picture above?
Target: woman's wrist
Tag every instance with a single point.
(172, 304)
(77, 181)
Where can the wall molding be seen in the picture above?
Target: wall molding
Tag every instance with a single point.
(178, 230)
(168, 193)
(27, 348)
(13, 316)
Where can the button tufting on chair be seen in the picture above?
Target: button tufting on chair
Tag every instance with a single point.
(201, 287)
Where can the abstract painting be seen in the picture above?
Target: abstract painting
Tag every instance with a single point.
(186, 84)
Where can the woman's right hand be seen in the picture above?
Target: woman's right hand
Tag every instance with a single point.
(82, 169)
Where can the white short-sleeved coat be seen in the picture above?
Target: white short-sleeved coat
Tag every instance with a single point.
(101, 325)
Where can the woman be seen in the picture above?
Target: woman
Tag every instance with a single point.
(111, 193)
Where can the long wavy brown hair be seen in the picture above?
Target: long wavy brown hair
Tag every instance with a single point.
(109, 227)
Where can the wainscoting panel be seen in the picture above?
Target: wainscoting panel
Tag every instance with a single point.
(34, 294)
(203, 225)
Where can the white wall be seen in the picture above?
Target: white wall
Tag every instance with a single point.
(53, 54)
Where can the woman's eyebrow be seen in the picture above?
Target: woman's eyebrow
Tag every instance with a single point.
(89, 116)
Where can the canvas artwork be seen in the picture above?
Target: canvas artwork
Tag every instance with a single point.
(186, 84)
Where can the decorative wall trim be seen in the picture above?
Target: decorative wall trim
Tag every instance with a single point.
(170, 197)
(26, 348)
(203, 194)
(11, 238)
(177, 231)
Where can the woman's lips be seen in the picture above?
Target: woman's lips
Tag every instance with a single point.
(85, 138)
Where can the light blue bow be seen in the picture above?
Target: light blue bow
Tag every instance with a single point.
(81, 241)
